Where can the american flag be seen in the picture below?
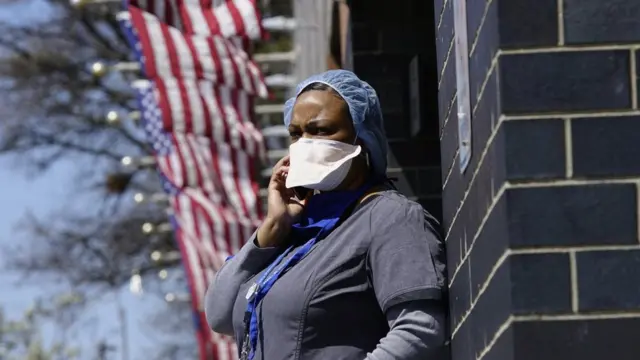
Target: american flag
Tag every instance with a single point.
(206, 227)
(208, 233)
(196, 111)
(210, 344)
(229, 18)
(166, 52)
(201, 108)
(191, 161)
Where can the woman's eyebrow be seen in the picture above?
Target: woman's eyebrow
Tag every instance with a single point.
(312, 122)
(317, 120)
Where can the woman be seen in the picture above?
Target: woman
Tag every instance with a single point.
(343, 266)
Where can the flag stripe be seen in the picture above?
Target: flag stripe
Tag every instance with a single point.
(229, 18)
(203, 109)
(173, 54)
(236, 16)
(194, 15)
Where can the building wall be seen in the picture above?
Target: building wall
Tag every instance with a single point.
(542, 228)
(386, 37)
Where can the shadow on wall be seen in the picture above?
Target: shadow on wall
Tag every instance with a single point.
(393, 47)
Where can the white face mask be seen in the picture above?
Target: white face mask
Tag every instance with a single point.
(319, 164)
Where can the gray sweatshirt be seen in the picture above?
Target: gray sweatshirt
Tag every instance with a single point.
(370, 290)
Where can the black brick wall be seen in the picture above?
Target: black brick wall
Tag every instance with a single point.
(542, 227)
(386, 37)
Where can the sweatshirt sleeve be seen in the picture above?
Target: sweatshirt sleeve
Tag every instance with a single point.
(223, 291)
(416, 332)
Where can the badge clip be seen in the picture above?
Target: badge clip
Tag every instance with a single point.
(251, 293)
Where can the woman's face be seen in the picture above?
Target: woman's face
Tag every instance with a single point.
(321, 114)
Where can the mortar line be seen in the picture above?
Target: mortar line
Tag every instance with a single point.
(448, 114)
(441, 16)
(494, 63)
(551, 116)
(560, 12)
(638, 209)
(573, 48)
(567, 250)
(477, 233)
(453, 165)
(445, 63)
(528, 318)
(507, 186)
(578, 317)
(634, 80)
(573, 269)
(496, 336)
(484, 153)
(483, 289)
(477, 32)
(573, 182)
(568, 149)
(494, 132)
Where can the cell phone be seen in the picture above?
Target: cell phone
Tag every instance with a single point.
(301, 192)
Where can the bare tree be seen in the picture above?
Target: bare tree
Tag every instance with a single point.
(21, 338)
(180, 327)
(52, 110)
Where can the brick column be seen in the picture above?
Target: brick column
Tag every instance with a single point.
(387, 37)
(542, 228)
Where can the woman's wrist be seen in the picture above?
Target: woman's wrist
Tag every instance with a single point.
(271, 233)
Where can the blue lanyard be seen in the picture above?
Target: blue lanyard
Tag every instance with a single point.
(259, 289)
(328, 216)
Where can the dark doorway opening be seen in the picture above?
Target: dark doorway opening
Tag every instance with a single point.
(393, 44)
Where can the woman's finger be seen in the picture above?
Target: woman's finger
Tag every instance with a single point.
(281, 162)
(276, 170)
(281, 174)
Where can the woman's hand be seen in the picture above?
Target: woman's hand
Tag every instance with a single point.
(283, 208)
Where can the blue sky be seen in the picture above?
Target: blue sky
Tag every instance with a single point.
(16, 11)
(41, 196)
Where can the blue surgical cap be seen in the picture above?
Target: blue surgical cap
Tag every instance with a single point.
(364, 107)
